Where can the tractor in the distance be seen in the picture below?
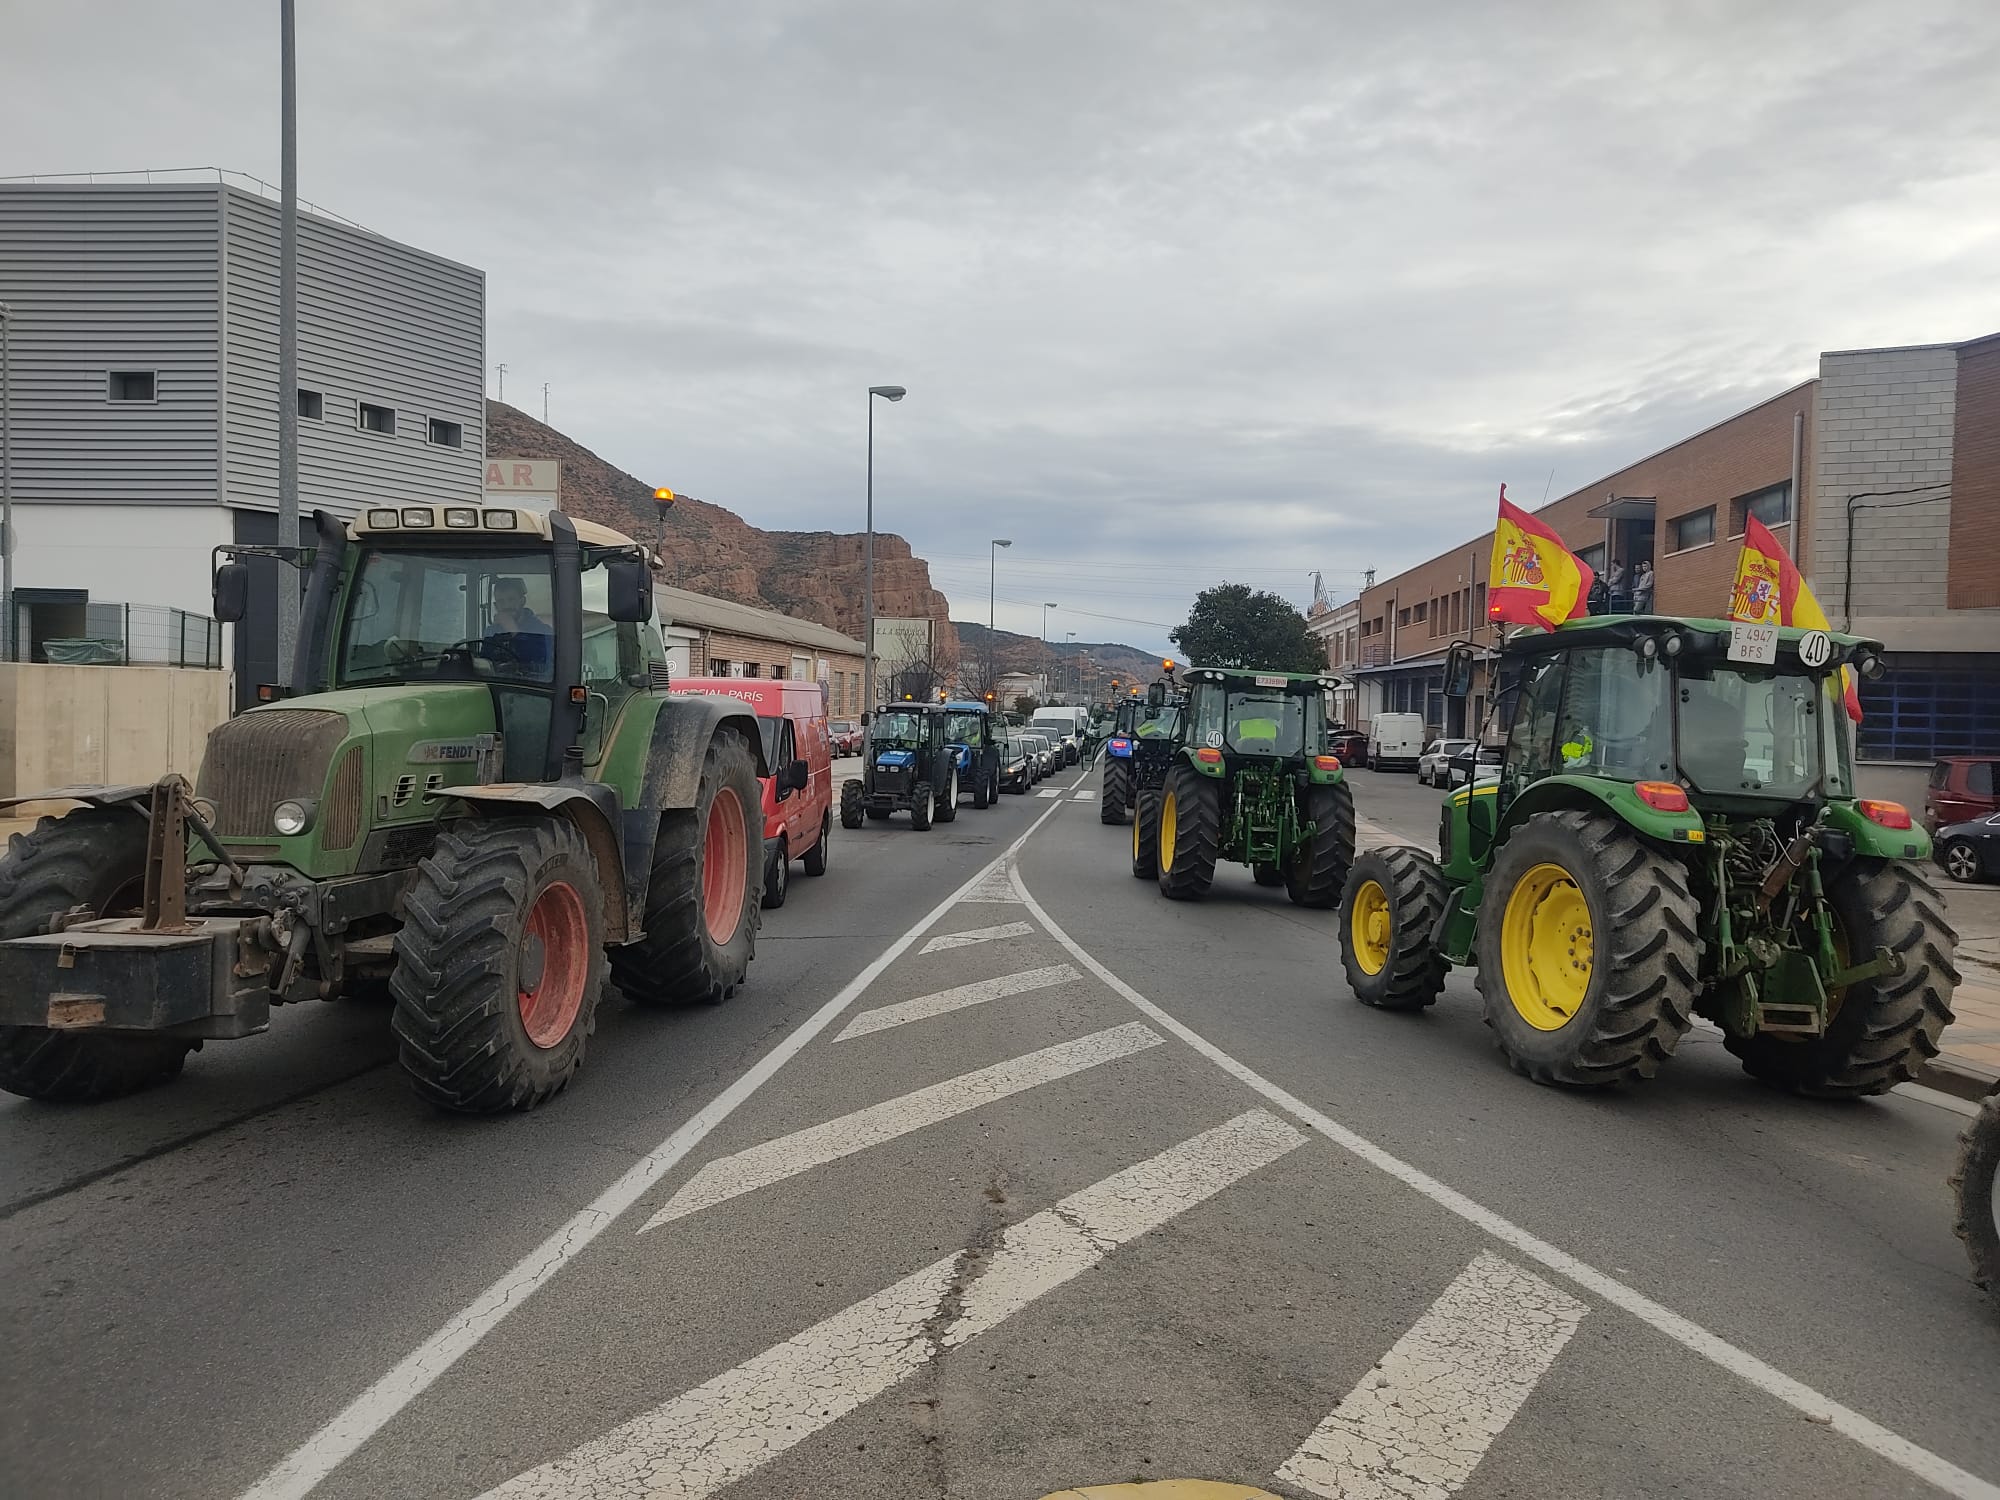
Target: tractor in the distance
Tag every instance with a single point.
(1248, 781)
(1674, 833)
(476, 789)
(907, 765)
(970, 731)
(1138, 748)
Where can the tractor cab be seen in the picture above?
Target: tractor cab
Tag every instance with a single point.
(1239, 719)
(969, 731)
(907, 765)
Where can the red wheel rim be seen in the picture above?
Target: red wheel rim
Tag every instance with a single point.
(725, 866)
(559, 935)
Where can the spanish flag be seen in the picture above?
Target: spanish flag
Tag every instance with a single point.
(1771, 591)
(1535, 579)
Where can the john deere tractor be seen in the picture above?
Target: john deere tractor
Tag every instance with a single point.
(1139, 748)
(476, 790)
(1674, 832)
(1247, 781)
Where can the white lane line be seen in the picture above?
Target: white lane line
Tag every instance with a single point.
(958, 998)
(975, 935)
(1049, 791)
(1877, 1439)
(1419, 1422)
(789, 1155)
(319, 1455)
(739, 1421)
(993, 885)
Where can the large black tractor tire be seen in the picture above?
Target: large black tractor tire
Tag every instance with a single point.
(1389, 910)
(94, 857)
(1317, 870)
(1589, 952)
(777, 877)
(850, 804)
(1880, 1031)
(1146, 836)
(1117, 793)
(1190, 834)
(685, 958)
(816, 857)
(1976, 1183)
(947, 805)
(922, 806)
(984, 792)
(1264, 874)
(499, 963)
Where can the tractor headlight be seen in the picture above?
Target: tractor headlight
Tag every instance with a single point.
(292, 817)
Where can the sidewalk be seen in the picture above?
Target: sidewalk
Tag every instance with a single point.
(1968, 1065)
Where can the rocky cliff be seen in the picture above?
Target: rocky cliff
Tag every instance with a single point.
(813, 575)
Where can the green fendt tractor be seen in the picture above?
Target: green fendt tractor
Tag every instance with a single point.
(1674, 832)
(1138, 750)
(1248, 780)
(477, 787)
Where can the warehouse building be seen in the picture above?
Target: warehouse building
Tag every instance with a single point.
(710, 637)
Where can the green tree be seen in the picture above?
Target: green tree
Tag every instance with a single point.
(1233, 626)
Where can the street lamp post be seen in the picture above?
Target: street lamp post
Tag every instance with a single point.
(992, 586)
(887, 393)
(1048, 656)
(288, 335)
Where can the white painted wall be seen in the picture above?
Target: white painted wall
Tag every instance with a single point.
(123, 554)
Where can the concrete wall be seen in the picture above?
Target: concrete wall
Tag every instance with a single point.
(64, 725)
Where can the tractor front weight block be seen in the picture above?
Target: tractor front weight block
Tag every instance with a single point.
(115, 976)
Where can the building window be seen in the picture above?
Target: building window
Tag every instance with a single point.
(1592, 557)
(380, 419)
(1420, 612)
(1772, 506)
(442, 434)
(1479, 600)
(312, 405)
(1402, 617)
(140, 386)
(1930, 705)
(1695, 529)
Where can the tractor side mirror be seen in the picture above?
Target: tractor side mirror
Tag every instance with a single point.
(794, 776)
(630, 589)
(1156, 695)
(1458, 671)
(232, 592)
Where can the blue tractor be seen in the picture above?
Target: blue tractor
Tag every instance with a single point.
(970, 732)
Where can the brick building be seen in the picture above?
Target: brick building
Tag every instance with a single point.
(710, 637)
(1338, 631)
(1883, 478)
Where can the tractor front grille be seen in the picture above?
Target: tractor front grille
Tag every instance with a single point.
(259, 759)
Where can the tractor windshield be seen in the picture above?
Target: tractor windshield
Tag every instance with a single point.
(906, 730)
(965, 729)
(1267, 723)
(1163, 725)
(1761, 733)
(414, 615)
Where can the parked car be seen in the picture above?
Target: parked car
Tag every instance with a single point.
(1969, 851)
(1961, 790)
(1433, 765)
(1395, 740)
(798, 794)
(1485, 766)
(1048, 759)
(1017, 762)
(1351, 745)
(846, 736)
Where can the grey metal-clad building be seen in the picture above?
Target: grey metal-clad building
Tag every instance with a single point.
(145, 400)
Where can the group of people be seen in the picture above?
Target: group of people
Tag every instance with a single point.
(1617, 593)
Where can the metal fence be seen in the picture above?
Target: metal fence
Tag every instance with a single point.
(103, 634)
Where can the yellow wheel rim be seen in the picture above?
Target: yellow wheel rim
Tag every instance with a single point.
(1138, 822)
(1546, 947)
(1167, 821)
(1370, 928)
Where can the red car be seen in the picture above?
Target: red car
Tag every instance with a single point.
(846, 736)
(1351, 745)
(798, 794)
(1961, 790)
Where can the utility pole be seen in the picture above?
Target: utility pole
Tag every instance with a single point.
(288, 336)
(545, 403)
(502, 396)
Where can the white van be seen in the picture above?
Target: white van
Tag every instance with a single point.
(1068, 727)
(1395, 740)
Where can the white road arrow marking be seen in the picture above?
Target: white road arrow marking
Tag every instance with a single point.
(958, 998)
(1419, 1423)
(732, 1176)
(974, 935)
(736, 1423)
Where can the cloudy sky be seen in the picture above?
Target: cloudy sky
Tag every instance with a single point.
(1181, 291)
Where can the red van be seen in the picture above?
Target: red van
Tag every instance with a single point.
(798, 795)
(1961, 789)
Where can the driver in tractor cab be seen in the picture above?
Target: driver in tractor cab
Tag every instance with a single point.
(517, 634)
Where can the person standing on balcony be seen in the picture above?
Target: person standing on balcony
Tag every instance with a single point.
(1642, 588)
(1620, 598)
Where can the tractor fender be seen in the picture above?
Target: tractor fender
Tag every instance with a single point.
(681, 732)
(96, 796)
(594, 810)
(1595, 793)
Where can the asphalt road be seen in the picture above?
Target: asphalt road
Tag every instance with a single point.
(1003, 1175)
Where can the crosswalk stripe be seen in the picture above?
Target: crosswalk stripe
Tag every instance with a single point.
(1419, 1423)
(957, 998)
(1049, 791)
(730, 1177)
(739, 1421)
(972, 935)
(1086, 795)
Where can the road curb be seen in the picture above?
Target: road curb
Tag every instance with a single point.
(1960, 1079)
